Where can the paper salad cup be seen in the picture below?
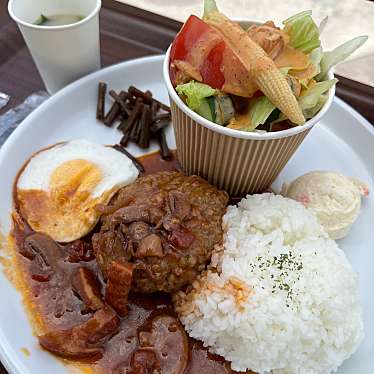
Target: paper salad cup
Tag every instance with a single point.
(239, 162)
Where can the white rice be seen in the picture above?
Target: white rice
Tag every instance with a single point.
(309, 325)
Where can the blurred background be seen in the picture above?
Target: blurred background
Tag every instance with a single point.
(347, 19)
(136, 28)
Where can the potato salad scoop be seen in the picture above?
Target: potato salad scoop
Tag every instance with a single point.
(334, 198)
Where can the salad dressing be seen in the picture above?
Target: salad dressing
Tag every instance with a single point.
(282, 71)
(238, 80)
(292, 58)
(196, 55)
(203, 46)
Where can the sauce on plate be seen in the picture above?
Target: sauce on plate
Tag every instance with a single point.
(60, 309)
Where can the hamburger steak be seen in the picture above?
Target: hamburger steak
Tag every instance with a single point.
(165, 225)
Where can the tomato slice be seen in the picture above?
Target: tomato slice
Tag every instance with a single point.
(210, 70)
(190, 33)
(204, 52)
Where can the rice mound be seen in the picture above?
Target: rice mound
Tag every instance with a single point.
(279, 296)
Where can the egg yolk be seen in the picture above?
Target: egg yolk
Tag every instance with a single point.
(67, 211)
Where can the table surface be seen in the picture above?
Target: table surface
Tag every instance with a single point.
(347, 19)
(126, 32)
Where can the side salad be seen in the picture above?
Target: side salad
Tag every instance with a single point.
(264, 78)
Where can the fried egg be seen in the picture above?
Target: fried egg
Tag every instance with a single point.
(60, 187)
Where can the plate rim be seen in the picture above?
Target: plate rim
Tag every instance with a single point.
(55, 97)
(8, 356)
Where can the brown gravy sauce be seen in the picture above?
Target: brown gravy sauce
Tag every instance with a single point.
(59, 308)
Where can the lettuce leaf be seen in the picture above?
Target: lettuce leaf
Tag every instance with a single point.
(195, 92)
(339, 54)
(284, 70)
(209, 7)
(310, 98)
(311, 112)
(322, 25)
(259, 112)
(315, 58)
(303, 32)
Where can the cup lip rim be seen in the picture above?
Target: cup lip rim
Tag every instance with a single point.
(53, 28)
(239, 133)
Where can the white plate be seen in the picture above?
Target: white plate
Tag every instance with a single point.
(343, 141)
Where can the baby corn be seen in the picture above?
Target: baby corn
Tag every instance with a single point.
(263, 69)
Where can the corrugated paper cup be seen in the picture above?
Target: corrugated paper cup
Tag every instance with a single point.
(239, 162)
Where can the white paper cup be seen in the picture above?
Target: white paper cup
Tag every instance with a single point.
(239, 162)
(62, 54)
